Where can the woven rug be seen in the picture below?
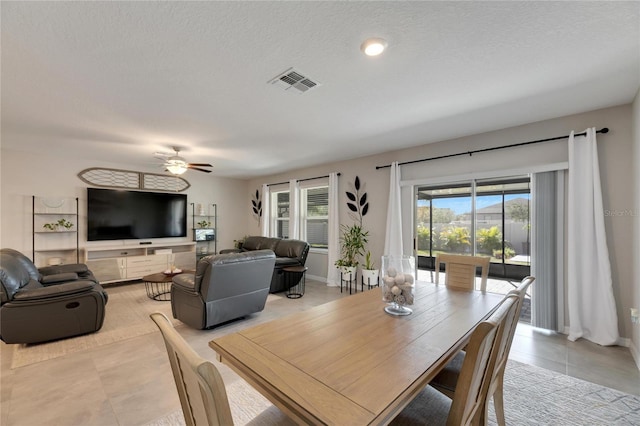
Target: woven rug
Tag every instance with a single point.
(127, 316)
(532, 396)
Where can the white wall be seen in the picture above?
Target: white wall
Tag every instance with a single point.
(23, 175)
(635, 282)
(615, 163)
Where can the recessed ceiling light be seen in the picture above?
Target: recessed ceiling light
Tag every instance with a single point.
(373, 46)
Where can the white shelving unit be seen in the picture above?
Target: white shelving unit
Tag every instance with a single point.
(60, 244)
(205, 213)
(132, 262)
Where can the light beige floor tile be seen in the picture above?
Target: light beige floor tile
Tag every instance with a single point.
(135, 349)
(131, 374)
(142, 404)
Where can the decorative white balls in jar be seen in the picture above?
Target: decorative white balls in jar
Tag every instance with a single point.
(398, 282)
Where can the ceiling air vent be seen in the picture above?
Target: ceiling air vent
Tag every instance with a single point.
(293, 79)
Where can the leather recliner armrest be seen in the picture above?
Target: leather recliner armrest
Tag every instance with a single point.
(58, 278)
(185, 282)
(43, 293)
(78, 268)
(233, 250)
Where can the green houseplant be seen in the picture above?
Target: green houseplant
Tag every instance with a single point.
(369, 272)
(352, 243)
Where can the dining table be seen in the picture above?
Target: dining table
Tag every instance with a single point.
(348, 362)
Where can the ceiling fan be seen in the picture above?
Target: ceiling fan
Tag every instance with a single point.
(177, 165)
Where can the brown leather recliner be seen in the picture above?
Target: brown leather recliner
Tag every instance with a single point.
(38, 305)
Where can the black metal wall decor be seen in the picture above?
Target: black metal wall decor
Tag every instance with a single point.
(357, 204)
(257, 207)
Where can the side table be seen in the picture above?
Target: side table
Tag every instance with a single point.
(295, 274)
(158, 285)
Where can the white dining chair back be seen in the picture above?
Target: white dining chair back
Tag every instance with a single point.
(460, 270)
(202, 393)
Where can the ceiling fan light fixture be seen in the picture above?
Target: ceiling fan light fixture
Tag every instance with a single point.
(176, 167)
(373, 46)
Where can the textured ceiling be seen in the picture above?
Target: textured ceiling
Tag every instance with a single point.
(117, 81)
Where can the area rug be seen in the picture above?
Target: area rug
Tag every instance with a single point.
(127, 316)
(532, 396)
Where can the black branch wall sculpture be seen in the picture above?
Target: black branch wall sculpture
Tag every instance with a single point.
(257, 207)
(357, 204)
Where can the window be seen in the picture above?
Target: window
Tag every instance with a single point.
(315, 216)
(280, 214)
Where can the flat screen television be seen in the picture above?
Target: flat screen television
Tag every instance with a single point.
(125, 215)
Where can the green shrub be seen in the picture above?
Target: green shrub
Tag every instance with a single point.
(489, 240)
(508, 253)
(455, 239)
(424, 237)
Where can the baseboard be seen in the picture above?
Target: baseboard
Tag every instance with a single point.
(317, 278)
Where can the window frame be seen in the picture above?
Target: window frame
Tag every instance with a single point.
(304, 217)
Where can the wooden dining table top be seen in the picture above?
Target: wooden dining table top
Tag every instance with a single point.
(347, 362)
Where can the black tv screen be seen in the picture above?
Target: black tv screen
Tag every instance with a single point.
(124, 215)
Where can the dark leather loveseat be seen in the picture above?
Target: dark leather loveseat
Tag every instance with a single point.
(288, 253)
(38, 305)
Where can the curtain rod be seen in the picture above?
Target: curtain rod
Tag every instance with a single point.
(470, 153)
(300, 180)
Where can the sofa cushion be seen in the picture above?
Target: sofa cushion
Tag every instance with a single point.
(24, 262)
(260, 243)
(12, 275)
(290, 248)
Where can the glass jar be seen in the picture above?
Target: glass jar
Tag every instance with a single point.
(398, 283)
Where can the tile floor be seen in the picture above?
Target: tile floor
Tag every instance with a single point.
(130, 383)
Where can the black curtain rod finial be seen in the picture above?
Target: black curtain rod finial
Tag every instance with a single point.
(604, 130)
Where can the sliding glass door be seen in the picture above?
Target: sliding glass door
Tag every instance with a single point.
(480, 217)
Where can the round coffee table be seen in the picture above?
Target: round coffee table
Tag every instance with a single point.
(158, 285)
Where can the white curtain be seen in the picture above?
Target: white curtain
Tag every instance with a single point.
(393, 236)
(592, 308)
(266, 210)
(333, 276)
(294, 210)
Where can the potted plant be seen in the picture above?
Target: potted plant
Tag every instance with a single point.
(352, 243)
(369, 271)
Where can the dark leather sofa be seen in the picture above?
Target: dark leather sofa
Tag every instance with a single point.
(288, 253)
(224, 287)
(38, 305)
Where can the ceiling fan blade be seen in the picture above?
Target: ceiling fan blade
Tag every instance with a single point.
(198, 169)
(200, 164)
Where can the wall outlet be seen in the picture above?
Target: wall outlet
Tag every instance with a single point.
(634, 316)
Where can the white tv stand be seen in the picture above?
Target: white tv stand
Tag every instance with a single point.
(133, 261)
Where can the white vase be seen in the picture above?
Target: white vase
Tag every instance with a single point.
(370, 277)
(348, 273)
(398, 283)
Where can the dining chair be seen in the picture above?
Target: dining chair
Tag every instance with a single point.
(203, 396)
(460, 270)
(201, 390)
(446, 380)
(468, 400)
